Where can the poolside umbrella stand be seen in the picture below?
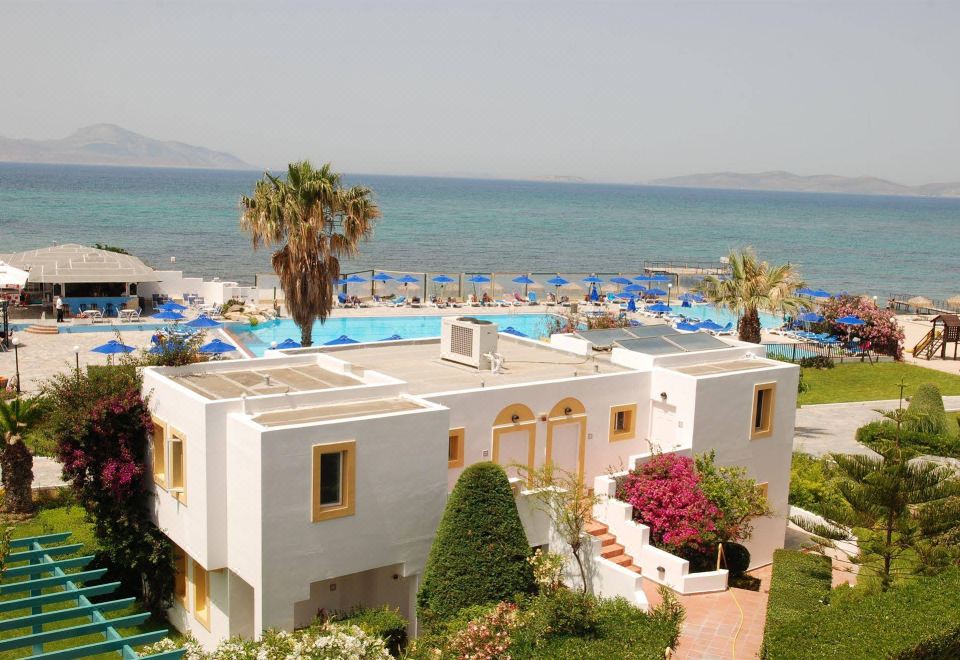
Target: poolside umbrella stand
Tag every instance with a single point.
(171, 307)
(407, 280)
(217, 347)
(379, 277)
(111, 348)
(478, 279)
(558, 282)
(203, 321)
(443, 280)
(850, 321)
(660, 308)
(168, 315)
(526, 282)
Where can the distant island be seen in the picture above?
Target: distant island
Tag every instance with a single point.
(822, 183)
(108, 144)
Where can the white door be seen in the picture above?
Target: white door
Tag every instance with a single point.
(565, 453)
(514, 448)
(663, 425)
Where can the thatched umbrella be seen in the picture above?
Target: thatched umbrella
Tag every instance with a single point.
(954, 301)
(920, 301)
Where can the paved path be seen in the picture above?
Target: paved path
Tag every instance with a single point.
(832, 427)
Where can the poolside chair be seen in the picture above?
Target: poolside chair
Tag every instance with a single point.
(532, 298)
(518, 299)
(399, 301)
(726, 331)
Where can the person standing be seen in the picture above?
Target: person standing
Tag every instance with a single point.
(58, 303)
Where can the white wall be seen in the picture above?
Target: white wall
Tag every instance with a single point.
(173, 284)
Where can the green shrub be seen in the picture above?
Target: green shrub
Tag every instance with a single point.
(563, 612)
(737, 557)
(926, 411)
(817, 362)
(876, 434)
(920, 619)
(799, 584)
(384, 622)
(813, 483)
(479, 554)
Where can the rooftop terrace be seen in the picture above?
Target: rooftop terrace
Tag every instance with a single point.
(727, 366)
(232, 384)
(419, 364)
(336, 411)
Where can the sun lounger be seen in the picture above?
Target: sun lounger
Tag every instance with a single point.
(532, 297)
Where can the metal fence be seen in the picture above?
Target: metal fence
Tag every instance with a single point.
(796, 352)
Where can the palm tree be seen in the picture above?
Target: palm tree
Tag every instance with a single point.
(17, 417)
(754, 286)
(315, 222)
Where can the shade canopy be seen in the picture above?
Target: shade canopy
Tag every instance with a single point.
(820, 293)
(510, 330)
(168, 316)
(660, 308)
(592, 279)
(656, 292)
(479, 279)
(11, 277)
(382, 277)
(557, 281)
(920, 301)
(71, 264)
(523, 279)
(850, 320)
(355, 279)
(340, 341)
(217, 346)
(635, 288)
(408, 279)
(288, 343)
(112, 347)
(203, 321)
(619, 280)
(443, 279)
(171, 306)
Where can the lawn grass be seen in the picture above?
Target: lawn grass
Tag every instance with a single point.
(861, 381)
(63, 515)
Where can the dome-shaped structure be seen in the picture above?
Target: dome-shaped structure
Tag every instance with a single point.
(72, 263)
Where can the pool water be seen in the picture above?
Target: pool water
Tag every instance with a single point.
(375, 328)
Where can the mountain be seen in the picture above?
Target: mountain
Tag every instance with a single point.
(788, 181)
(108, 144)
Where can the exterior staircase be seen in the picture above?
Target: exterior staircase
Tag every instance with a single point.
(43, 330)
(609, 548)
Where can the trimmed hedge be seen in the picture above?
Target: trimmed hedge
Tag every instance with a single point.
(479, 554)
(919, 620)
(874, 434)
(927, 406)
(799, 584)
(384, 622)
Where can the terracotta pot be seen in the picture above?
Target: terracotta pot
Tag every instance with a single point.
(3, 382)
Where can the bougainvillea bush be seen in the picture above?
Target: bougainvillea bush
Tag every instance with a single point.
(100, 425)
(880, 332)
(691, 505)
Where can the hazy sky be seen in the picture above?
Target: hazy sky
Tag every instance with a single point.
(608, 91)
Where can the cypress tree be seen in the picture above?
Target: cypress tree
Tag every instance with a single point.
(479, 554)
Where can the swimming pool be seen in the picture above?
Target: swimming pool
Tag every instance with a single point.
(113, 328)
(375, 328)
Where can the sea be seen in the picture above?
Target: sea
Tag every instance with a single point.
(189, 220)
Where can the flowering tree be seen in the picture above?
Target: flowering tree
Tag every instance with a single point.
(100, 425)
(879, 329)
(488, 637)
(666, 496)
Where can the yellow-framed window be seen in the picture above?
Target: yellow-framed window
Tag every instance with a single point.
(761, 413)
(159, 448)
(180, 577)
(334, 480)
(177, 480)
(623, 422)
(201, 595)
(455, 444)
(763, 488)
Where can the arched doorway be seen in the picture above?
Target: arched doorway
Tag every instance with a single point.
(515, 438)
(567, 436)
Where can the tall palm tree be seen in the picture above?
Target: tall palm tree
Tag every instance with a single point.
(17, 417)
(314, 222)
(754, 286)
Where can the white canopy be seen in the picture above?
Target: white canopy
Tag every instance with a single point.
(12, 278)
(72, 264)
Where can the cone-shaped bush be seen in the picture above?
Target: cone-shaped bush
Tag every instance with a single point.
(479, 554)
(926, 408)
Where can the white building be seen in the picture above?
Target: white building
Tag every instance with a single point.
(315, 478)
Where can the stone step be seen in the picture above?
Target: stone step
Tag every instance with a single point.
(611, 550)
(606, 539)
(595, 528)
(622, 560)
(43, 330)
(635, 568)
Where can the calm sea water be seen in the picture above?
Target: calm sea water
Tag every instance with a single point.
(869, 244)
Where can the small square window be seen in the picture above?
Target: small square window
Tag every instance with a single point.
(763, 487)
(177, 477)
(761, 420)
(455, 448)
(333, 480)
(159, 447)
(623, 422)
(180, 576)
(201, 595)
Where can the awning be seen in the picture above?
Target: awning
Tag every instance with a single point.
(73, 264)
(12, 278)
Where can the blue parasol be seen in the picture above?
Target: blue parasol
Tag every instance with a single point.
(113, 347)
(810, 317)
(382, 277)
(592, 279)
(635, 288)
(523, 279)
(620, 280)
(408, 279)
(288, 343)
(168, 315)
(479, 279)
(656, 292)
(443, 279)
(217, 346)
(355, 279)
(851, 320)
(171, 307)
(510, 330)
(660, 308)
(340, 341)
(203, 321)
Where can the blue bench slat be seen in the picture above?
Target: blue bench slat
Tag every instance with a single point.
(27, 541)
(53, 581)
(101, 647)
(57, 597)
(72, 631)
(47, 567)
(64, 614)
(55, 551)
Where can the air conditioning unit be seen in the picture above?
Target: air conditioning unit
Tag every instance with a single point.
(468, 340)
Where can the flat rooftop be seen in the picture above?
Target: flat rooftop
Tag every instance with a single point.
(711, 368)
(419, 364)
(232, 384)
(335, 411)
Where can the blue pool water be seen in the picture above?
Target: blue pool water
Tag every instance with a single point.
(375, 328)
(66, 328)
